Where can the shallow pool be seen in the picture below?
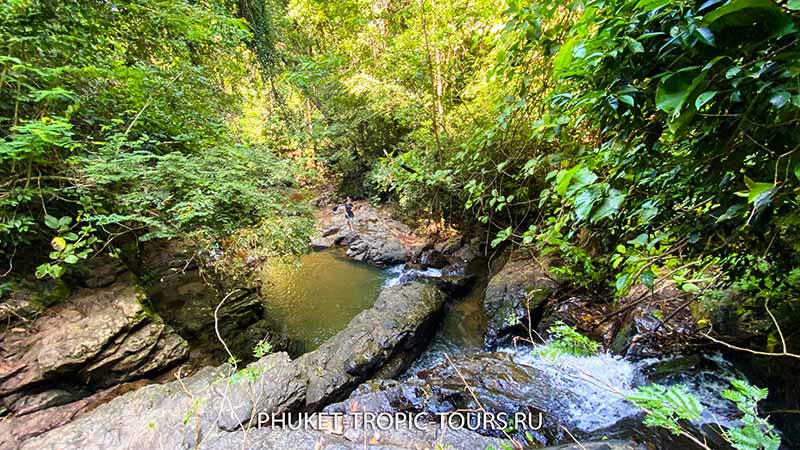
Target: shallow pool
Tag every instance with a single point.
(315, 296)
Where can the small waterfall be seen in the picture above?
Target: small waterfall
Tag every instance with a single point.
(594, 387)
(400, 274)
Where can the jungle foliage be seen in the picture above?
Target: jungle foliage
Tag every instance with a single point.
(643, 142)
(124, 119)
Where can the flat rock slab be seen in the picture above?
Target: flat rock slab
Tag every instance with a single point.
(376, 237)
(202, 410)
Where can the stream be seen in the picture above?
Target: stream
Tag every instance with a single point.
(310, 299)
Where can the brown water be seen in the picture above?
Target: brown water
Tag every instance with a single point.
(315, 296)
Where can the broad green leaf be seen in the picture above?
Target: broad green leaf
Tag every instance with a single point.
(583, 177)
(780, 99)
(744, 13)
(634, 45)
(563, 178)
(627, 99)
(621, 284)
(51, 221)
(610, 205)
(672, 90)
(648, 278)
(639, 240)
(585, 201)
(704, 98)
(754, 189)
(705, 35)
(650, 5)
(563, 60)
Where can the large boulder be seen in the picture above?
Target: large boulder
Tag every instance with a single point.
(514, 297)
(560, 399)
(376, 237)
(98, 337)
(200, 409)
(498, 383)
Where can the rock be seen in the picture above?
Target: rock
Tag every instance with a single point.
(99, 337)
(103, 271)
(553, 395)
(601, 445)
(15, 430)
(187, 302)
(215, 402)
(22, 404)
(640, 333)
(426, 437)
(582, 313)
(498, 382)
(27, 300)
(376, 238)
(450, 245)
(514, 296)
(434, 258)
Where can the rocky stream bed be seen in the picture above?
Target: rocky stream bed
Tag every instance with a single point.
(106, 366)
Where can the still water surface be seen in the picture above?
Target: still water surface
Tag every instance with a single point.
(315, 296)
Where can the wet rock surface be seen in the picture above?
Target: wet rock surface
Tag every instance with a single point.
(514, 297)
(206, 406)
(426, 438)
(376, 237)
(494, 383)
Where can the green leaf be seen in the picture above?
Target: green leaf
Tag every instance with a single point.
(72, 237)
(648, 278)
(704, 98)
(650, 5)
(780, 99)
(610, 205)
(621, 284)
(627, 99)
(705, 35)
(563, 179)
(583, 177)
(634, 45)
(672, 90)
(51, 222)
(585, 201)
(745, 13)
(563, 60)
(793, 5)
(754, 189)
(639, 240)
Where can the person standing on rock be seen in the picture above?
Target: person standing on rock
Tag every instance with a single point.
(348, 212)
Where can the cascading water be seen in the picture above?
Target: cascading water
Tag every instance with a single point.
(401, 274)
(595, 387)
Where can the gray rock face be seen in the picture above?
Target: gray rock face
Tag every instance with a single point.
(376, 237)
(98, 336)
(202, 410)
(500, 384)
(513, 294)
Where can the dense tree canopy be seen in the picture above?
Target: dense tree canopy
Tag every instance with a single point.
(641, 141)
